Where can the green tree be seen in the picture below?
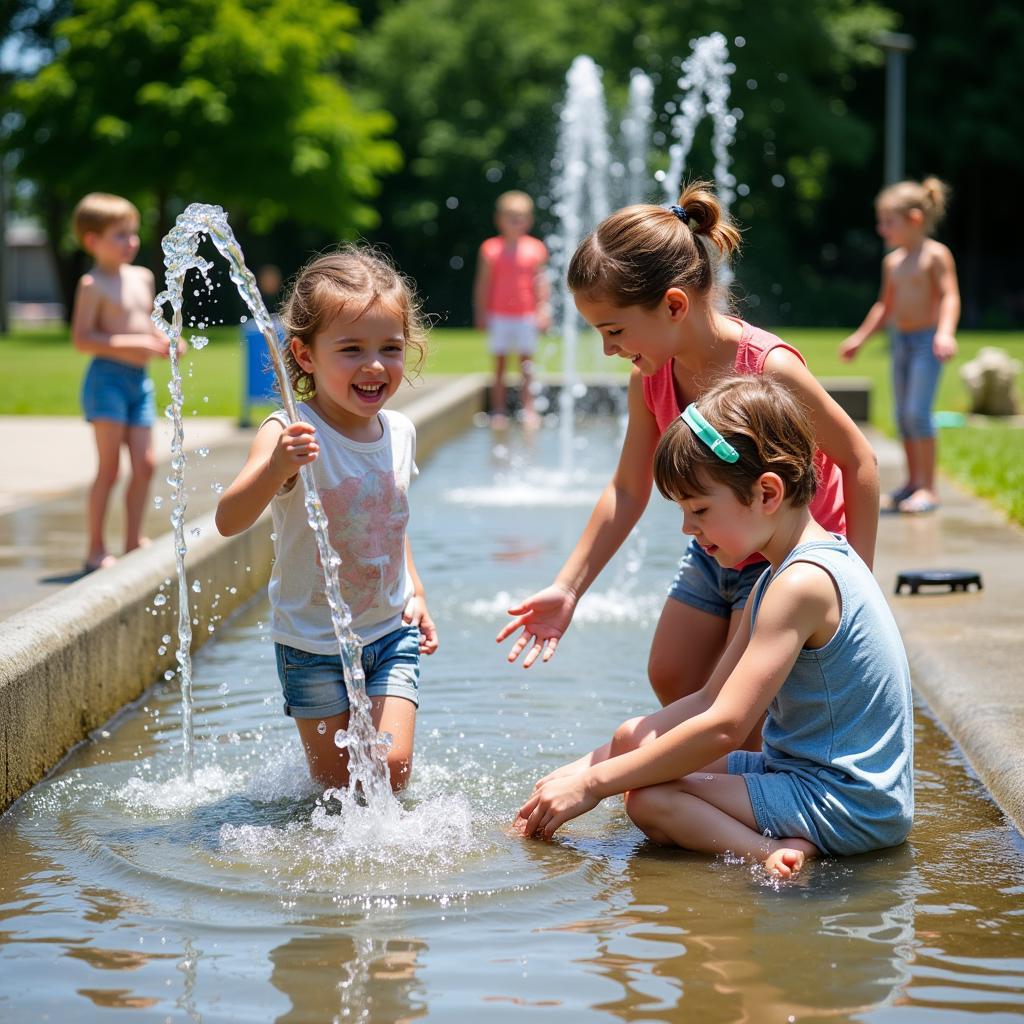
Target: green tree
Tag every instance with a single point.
(238, 102)
(473, 85)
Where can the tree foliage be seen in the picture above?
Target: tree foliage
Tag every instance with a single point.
(473, 85)
(239, 102)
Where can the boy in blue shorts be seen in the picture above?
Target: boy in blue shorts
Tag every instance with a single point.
(111, 321)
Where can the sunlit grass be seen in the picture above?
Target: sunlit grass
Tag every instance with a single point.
(42, 374)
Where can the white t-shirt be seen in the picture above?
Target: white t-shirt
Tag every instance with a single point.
(363, 491)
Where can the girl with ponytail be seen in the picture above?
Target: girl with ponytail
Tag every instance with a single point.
(647, 278)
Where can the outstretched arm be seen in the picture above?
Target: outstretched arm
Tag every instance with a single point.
(546, 615)
(794, 608)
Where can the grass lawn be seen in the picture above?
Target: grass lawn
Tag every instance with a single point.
(42, 373)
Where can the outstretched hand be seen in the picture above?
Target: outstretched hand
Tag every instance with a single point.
(544, 617)
(556, 801)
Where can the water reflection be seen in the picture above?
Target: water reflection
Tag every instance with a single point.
(360, 977)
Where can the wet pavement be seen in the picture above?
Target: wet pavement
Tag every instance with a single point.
(49, 465)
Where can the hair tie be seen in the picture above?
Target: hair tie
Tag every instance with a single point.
(681, 214)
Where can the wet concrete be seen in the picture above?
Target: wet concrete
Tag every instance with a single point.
(49, 465)
(966, 649)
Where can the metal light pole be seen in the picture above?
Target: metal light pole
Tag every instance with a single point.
(896, 46)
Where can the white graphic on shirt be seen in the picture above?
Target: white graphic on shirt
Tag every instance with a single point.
(367, 517)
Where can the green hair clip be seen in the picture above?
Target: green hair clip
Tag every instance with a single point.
(707, 433)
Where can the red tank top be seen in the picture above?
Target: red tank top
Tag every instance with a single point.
(828, 506)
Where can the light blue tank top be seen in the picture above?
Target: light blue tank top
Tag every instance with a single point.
(843, 720)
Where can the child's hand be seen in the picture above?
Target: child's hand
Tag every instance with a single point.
(416, 614)
(544, 617)
(555, 803)
(160, 346)
(849, 348)
(944, 346)
(296, 447)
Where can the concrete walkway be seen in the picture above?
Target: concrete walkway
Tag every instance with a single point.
(48, 466)
(966, 650)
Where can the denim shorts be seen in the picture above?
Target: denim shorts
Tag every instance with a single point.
(314, 684)
(702, 583)
(119, 392)
(915, 379)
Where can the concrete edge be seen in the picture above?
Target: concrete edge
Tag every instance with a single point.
(71, 661)
(988, 738)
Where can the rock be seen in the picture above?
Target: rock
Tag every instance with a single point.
(991, 379)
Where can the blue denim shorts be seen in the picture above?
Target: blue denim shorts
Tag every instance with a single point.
(915, 380)
(702, 583)
(314, 684)
(118, 392)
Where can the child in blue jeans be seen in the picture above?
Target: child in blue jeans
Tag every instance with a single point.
(350, 320)
(111, 321)
(921, 300)
(817, 652)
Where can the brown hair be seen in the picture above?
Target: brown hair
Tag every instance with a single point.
(634, 256)
(929, 196)
(98, 210)
(353, 278)
(763, 420)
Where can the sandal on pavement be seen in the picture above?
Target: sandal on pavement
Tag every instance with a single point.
(916, 504)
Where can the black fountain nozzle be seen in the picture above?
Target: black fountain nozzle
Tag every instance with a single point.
(948, 579)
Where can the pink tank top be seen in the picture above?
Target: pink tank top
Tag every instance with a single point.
(828, 506)
(513, 289)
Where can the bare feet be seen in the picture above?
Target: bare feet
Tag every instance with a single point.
(784, 862)
(144, 542)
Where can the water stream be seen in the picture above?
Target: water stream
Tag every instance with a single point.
(368, 773)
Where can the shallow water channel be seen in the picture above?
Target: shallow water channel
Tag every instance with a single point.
(128, 895)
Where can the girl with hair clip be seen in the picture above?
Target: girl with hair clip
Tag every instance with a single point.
(817, 650)
(351, 319)
(920, 299)
(645, 279)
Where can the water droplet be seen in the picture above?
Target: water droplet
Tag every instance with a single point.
(321, 727)
(196, 587)
(169, 674)
(341, 739)
(159, 600)
(157, 501)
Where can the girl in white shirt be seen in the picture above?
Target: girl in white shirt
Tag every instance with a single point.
(350, 319)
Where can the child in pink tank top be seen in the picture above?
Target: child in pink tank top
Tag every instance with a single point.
(510, 298)
(645, 279)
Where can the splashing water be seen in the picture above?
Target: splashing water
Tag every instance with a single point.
(368, 773)
(705, 85)
(636, 130)
(580, 190)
